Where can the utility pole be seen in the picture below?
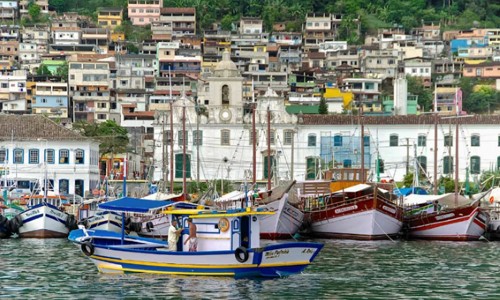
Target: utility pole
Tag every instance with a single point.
(407, 155)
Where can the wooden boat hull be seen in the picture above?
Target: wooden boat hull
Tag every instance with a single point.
(284, 223)
(105, 221)
(140, 255)
(43, 221)
(460, 224)
(364, 219)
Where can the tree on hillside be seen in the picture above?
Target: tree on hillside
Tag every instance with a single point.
(43, 70)
(323, 107)
(112, 137)
(416, 87)
(34, 11)
(63, 71)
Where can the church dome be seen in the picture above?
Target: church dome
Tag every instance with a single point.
(226, 63)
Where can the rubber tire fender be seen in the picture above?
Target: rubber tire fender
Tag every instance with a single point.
(87, 248)
(241, 254)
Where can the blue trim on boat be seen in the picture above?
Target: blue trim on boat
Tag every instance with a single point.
(32, 218)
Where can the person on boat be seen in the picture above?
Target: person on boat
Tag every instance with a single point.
(193, 242)
(173, 235)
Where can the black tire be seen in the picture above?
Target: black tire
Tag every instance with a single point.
(15, 225)
(87, 248)
(19, 220)
(241, 254)
(150, 226)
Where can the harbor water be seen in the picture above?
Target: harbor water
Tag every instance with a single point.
(55, 269)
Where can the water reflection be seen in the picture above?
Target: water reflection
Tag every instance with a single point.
(344, 269)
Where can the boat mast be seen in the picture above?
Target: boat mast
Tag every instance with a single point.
(362, 144)
(254, 149)
(184, 190)
(171, 134)
(435, 150)
(456, 161)
(268, 148)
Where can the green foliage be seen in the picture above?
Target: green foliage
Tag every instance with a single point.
(405, 14)
(63, 71)
(113, 137)
(43, 70)
(323, 107)
(227, 22)
(489, 179)
(416, 87)
(448, 183)
(34, 11)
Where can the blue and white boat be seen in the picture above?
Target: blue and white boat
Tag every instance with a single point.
(228, 244)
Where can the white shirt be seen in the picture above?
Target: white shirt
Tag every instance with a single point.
(172, 235)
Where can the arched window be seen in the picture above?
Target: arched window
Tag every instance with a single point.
(422, 164)
(311, 140)
(225, 94)
(79, 156)
(448, 140)
(18, 156)
(64, 156)
(475, 165)
(422, 140)
(447, 164)
(337, 140)
(475, 140)
(394, 140)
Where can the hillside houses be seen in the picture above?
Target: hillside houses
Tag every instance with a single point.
(74, 69)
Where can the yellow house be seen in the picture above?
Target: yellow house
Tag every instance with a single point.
(334, 96)
(110, 17)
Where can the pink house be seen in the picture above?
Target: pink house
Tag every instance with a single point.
(482, 70)
(143, 12)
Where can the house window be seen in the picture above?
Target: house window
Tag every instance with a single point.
(50, 156)
(225, 137)
(422, 141)
(447, 164)
(225, 95)
(272, 136)
(393, 140)
(288, 140)
(499, 141)
(197, 137)
(337, 141)
(475, 140)
(3, 155)
(18, 156)
(311, 167)
(498, 163)
(475, 165)
(79, 158)
(180, 137)
(311, 140)
(422, 164)
(256, 137)
(448, 140)
(366, 141)
(34, 156)
(64, 156)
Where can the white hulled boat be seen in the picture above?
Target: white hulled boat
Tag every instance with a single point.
(444, 217)
(361, 212)
(44, 218)
(285, 221)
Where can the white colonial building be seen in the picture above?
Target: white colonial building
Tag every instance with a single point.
(35, 150)
(219, 140)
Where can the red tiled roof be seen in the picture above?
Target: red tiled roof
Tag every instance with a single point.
(396, 120)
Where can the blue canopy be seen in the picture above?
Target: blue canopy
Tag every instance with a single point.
(136, 205)
(410, 190)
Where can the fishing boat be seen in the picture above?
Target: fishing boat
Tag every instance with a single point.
(444, 217)
(361, 212)
(286, 218)
(91, 217)
(156, 226)
(228, 245)
(44, 218)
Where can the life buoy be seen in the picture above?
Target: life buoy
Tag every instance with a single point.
(223, 224)
(241, 254)
(87, 248)
(492, 199)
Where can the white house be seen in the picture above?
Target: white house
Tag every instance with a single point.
(34, 147)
